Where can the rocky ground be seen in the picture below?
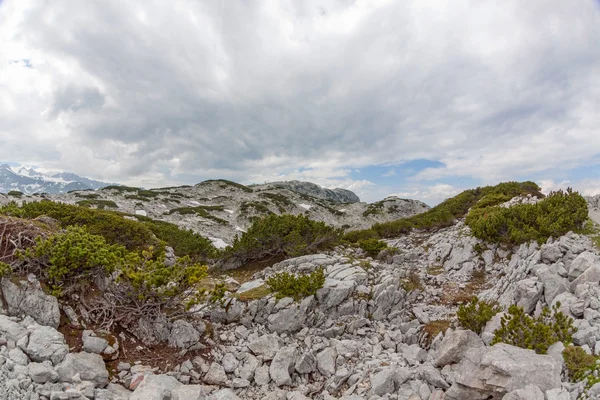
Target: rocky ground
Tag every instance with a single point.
(378, 329)
(228, 209)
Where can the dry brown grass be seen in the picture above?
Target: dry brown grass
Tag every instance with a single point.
(455, 295)
(433, 328)
(254, 294)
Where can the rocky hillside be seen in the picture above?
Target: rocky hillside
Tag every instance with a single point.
(338, 324)
(220, 209)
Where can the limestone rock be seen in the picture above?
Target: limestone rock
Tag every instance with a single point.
(28, 298)
(282, 366)
(491, 373)
(156, 387)
(455, 345)
(90, 367)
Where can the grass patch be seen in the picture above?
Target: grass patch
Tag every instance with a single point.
(136, 197)
(254, 294)
(435, 269)
(413, 282)
(15, 193)
(433, 328)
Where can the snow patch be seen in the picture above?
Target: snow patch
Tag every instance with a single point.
(229, 211)
(141, 212)
(305, 206)
(194, 203)
(237, 228)
(218, 243)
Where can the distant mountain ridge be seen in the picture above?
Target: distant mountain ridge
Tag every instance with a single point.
(30, 181)
(311, 189)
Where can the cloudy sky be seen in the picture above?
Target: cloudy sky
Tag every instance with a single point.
(420, 98)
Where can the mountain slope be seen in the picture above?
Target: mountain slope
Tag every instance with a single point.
(30, 181)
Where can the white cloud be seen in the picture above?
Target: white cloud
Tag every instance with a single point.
(431, 195)
(154, 93)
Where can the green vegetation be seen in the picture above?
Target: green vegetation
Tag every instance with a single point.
(184, 242)
(201, 211)
(374, 208)
(224, 183)
(110, 225)
(445, 213)
(554, 216)
(100, 204)
(289, 235)
(259, 207)
(136, 197)
(115, 229)
(372, 246)
(284, 284)
(581, 365)
(279, 199)
(476, 314)
(121, 189)
(519, 329)
(87, 196)
(15, 193)
(5, 269)
(76, 256)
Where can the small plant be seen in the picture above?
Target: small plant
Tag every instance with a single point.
(413, 282)
(372, 246)
(284, 284)
(5, 269)
(436, 269)
(578, 363)
(476, 314)
(15, 193)
(519, 329)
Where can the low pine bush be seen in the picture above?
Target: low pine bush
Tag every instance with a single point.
(519, 329)
(372, 246)
(284, 284)
(476, 314)
(5, 269)
(75, 256)
(554, 216)
(447, 212)
(288, 235)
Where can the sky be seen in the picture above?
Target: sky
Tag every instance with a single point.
(415, 98)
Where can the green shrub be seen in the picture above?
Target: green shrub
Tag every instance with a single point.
(201, 211)
(578, 363)
(121, 189)
(372, 246)
(554, 216)
(357, 236)
(374, 208)
(101, 204)
(476, 314)
(5, 269)
(76, 255)
(87, 196)
(519, 329)
(447, 212)
(112, 226)
(259, 207)
(284, 284)
(15, 193)
(279, 199)
(184, 242)
(288, 235)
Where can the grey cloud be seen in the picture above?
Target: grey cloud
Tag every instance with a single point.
(223, 86)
